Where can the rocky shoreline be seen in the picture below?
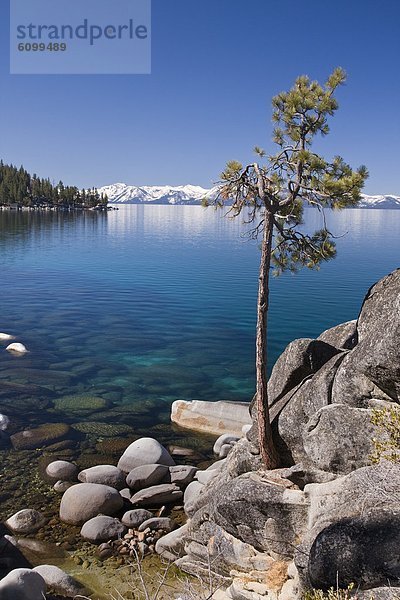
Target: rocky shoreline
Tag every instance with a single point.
(328, 516)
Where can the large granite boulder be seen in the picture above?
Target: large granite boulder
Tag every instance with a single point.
(261, 509)
(145, 451)
(84, 501)
(363, 551)
(302, 405)
(300, 359)
(343, 336)
(372, 369)
(339, 438)
(370, 494)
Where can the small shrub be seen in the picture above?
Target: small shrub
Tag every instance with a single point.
(332, 594)
(387, 446)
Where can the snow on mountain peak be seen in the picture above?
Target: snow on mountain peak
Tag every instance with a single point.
(121, 193)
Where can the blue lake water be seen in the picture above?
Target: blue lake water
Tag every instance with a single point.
(149, 304)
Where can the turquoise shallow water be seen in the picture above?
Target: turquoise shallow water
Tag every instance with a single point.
(145, 305)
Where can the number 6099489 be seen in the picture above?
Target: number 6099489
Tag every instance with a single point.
(42, 47)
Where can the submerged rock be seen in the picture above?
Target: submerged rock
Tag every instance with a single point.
(80, 403)
(62, 469)
(6, 336)
(46, 434)
(4, 422)
(17, 348)
(102, 429)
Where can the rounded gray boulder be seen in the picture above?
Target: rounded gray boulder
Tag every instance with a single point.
(84, 501)
(134, 518)
(145, 451)
(22, 584)
(24, 521)
(105, 475)
(62, 470)
(145, 476)
(102, 529)
(59, 581)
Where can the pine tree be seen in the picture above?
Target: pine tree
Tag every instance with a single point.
(272, 196)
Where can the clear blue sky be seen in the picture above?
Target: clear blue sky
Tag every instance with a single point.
(216, 65)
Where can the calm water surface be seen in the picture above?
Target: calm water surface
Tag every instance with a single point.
(146, 305)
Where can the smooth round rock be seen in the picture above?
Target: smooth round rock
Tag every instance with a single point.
(102, 529)
(145, 476)
(134, 518)
(145, 451)
(4, 422)
(84, 501)
(62, 469)
(6, 336)
(22, 584)
(59, 581)
(105, 475)
(17, 348)
(24, 521)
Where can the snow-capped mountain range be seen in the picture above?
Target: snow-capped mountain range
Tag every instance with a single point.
(120, 193)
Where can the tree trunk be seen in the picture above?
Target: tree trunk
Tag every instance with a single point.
(267, 449)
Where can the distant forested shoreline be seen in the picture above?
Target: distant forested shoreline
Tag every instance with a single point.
(20, 189)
